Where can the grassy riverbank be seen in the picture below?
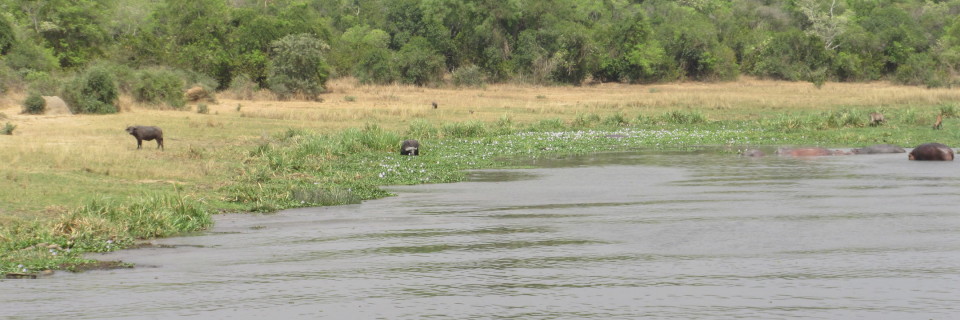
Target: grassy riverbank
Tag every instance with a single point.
(75, 184)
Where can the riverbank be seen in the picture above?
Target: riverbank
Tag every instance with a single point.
(76, 184)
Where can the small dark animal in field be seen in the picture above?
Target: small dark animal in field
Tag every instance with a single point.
(876, 118)
(879, 148)
(434, 104)
(146, 133)
(410, 148)
(939, 123)
(931, 152)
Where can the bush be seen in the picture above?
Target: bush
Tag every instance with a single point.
(418, 63)
(243, 87)
(297, 66)
(8, 129)
(203, 109)
(469, 76)
(34, 104)
(159, 86)
(42, 83)
(93, 91)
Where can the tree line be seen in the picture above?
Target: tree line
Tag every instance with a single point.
(292, 47)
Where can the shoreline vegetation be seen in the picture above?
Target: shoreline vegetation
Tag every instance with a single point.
(73, 184)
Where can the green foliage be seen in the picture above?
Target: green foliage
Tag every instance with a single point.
(243, 87)
(417, 63)
(464, 129)
(693, 44)
(8, 129)
(683, 117)
(34, 104)
(634, 55)
(203, 108)
(370, 138)
(297, 66)
(7, 37)
(159, 86)
(422, 129)
(793, 56)
(93, 91)
(42, 83)
(921, 69)
(542, 42)
(29, 54)
(469, 76)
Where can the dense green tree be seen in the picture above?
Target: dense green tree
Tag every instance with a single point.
(7, 37)
(417, 63)
(694, 44)
(792, 55)
(298, 66)
(632, 53)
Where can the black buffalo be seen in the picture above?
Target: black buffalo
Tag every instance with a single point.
(146, 133)
(410, 148)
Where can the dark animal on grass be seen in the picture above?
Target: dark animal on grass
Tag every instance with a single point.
(939, 123)
(876, 118)
(931, 152)
(410, 148)
(434, 104)
(146, 133)
(879, 148)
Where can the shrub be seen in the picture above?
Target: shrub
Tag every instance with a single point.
(159, 86)
(469, 76)
(93, 91)
(203, 109)
(42, 83)
(34, 104)
(243, 87)
(8, 129)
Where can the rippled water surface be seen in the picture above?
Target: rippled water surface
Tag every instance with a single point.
(612, 236)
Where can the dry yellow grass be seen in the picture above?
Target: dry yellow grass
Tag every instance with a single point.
(92, 150)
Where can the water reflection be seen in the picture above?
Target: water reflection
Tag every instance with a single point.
(678, 235)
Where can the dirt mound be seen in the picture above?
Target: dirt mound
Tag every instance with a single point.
(55, 105)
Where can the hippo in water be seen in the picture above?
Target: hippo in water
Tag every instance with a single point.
(932, 152)
(804, 152)
(879, 148)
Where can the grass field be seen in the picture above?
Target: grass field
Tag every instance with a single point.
(59, 174)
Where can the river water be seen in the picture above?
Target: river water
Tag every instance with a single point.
(686, 235)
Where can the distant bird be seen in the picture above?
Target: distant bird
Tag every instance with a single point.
(434, 104)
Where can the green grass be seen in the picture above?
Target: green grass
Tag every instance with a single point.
(299, 167)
